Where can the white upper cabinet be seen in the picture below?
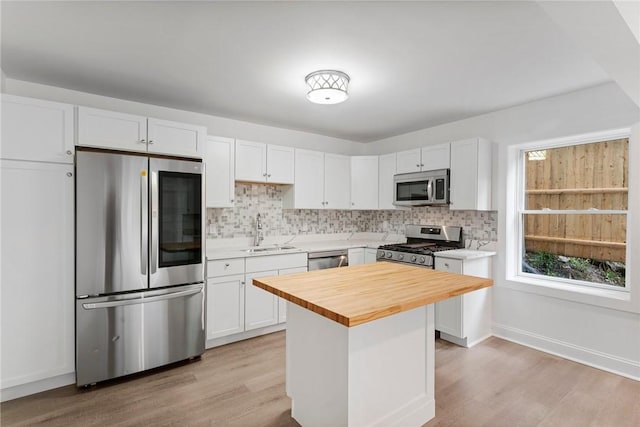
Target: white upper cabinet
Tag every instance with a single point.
(424, 159)
(337, 177)
(280, 164)
(470, 175)
(364, 182)
(308, 189)
(176, 138)
(251, 161)
(408, 161)
(435, 157)
(219, 154)
(36, 130)
(322, 181)
(120, 131)
(386, 170)
(110, 129)
(259, 162)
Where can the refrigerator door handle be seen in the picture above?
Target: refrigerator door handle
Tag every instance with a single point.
(140, 300)
(144, 222)
(154, 222)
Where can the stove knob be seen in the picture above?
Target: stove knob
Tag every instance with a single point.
(389, 254)
(400, 256)
(414, 258)
(380, 254)
(421, 260)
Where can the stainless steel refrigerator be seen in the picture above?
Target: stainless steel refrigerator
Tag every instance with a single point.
(139, 263)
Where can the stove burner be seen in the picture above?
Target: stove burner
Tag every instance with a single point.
(419, 249)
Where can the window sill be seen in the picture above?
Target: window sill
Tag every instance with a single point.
(607, 298)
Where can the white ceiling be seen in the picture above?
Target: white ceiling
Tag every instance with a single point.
(412, 64)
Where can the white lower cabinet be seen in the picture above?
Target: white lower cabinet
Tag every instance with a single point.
(225, 306)
(466, 319)
(282, 303)
(235, 308)
(261, 307)
(37, 277)
(370, 255)
(356, 256)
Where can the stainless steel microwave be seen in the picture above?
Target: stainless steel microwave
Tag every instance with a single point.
(421, 188)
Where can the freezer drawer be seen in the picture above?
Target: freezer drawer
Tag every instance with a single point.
(127, 333)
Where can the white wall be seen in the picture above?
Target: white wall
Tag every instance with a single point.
(604, 336)
(218, 126)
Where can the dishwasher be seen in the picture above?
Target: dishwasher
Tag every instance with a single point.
(327, 259)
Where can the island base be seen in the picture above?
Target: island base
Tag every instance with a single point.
(379, 373)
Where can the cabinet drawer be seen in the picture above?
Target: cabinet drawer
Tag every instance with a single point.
(276, 262)
(450, 265)
(225, 267)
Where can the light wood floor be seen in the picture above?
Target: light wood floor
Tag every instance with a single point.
(496, 383)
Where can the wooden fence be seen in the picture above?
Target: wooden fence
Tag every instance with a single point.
(578, 177)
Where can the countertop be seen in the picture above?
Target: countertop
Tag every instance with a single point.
(363, 293)
(464, 254)
(237, 248)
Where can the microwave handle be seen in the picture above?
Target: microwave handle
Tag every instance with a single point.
(430, 190)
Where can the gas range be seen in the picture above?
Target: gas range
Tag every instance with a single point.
(422, 242)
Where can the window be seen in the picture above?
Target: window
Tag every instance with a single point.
(573, 212)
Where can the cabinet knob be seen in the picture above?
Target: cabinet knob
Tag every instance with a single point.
(231, 200)
(69, 152)
(269, 175)
(226, 265)
(353, 204)
(264, 174)
(421, 164)
(417, 165)
(151, 141)
(143, 141)
(446, 264)
(69, 174)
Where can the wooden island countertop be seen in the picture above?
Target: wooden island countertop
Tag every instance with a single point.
(361, 293)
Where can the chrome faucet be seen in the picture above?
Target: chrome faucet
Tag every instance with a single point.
(259, 236)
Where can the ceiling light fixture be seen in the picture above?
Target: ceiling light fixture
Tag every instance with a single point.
(327, 87)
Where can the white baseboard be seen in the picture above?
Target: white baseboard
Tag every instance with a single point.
(607, 362)
(216, 342)
(22, 390)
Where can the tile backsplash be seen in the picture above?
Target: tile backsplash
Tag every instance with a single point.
(251, 199)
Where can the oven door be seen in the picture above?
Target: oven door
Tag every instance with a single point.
(177, 222)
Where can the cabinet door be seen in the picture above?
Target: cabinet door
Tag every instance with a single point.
(436, 157)
(356, 256)
(260, 307)
(448, 312)
(364, 182)
(36, 130)
(251, 161)
(280, 164)
(109, 129)
(219, 159)
(370, 255)
(464, 175)
(408, 161)
(309, 180)
(386, 170)
(282, 303)
(225, 306)
(37, 279)
(179, 139)
(337, 178)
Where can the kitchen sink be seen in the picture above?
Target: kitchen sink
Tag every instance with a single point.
(268, 249)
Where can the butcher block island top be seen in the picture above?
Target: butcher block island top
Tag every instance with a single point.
(363, 293)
